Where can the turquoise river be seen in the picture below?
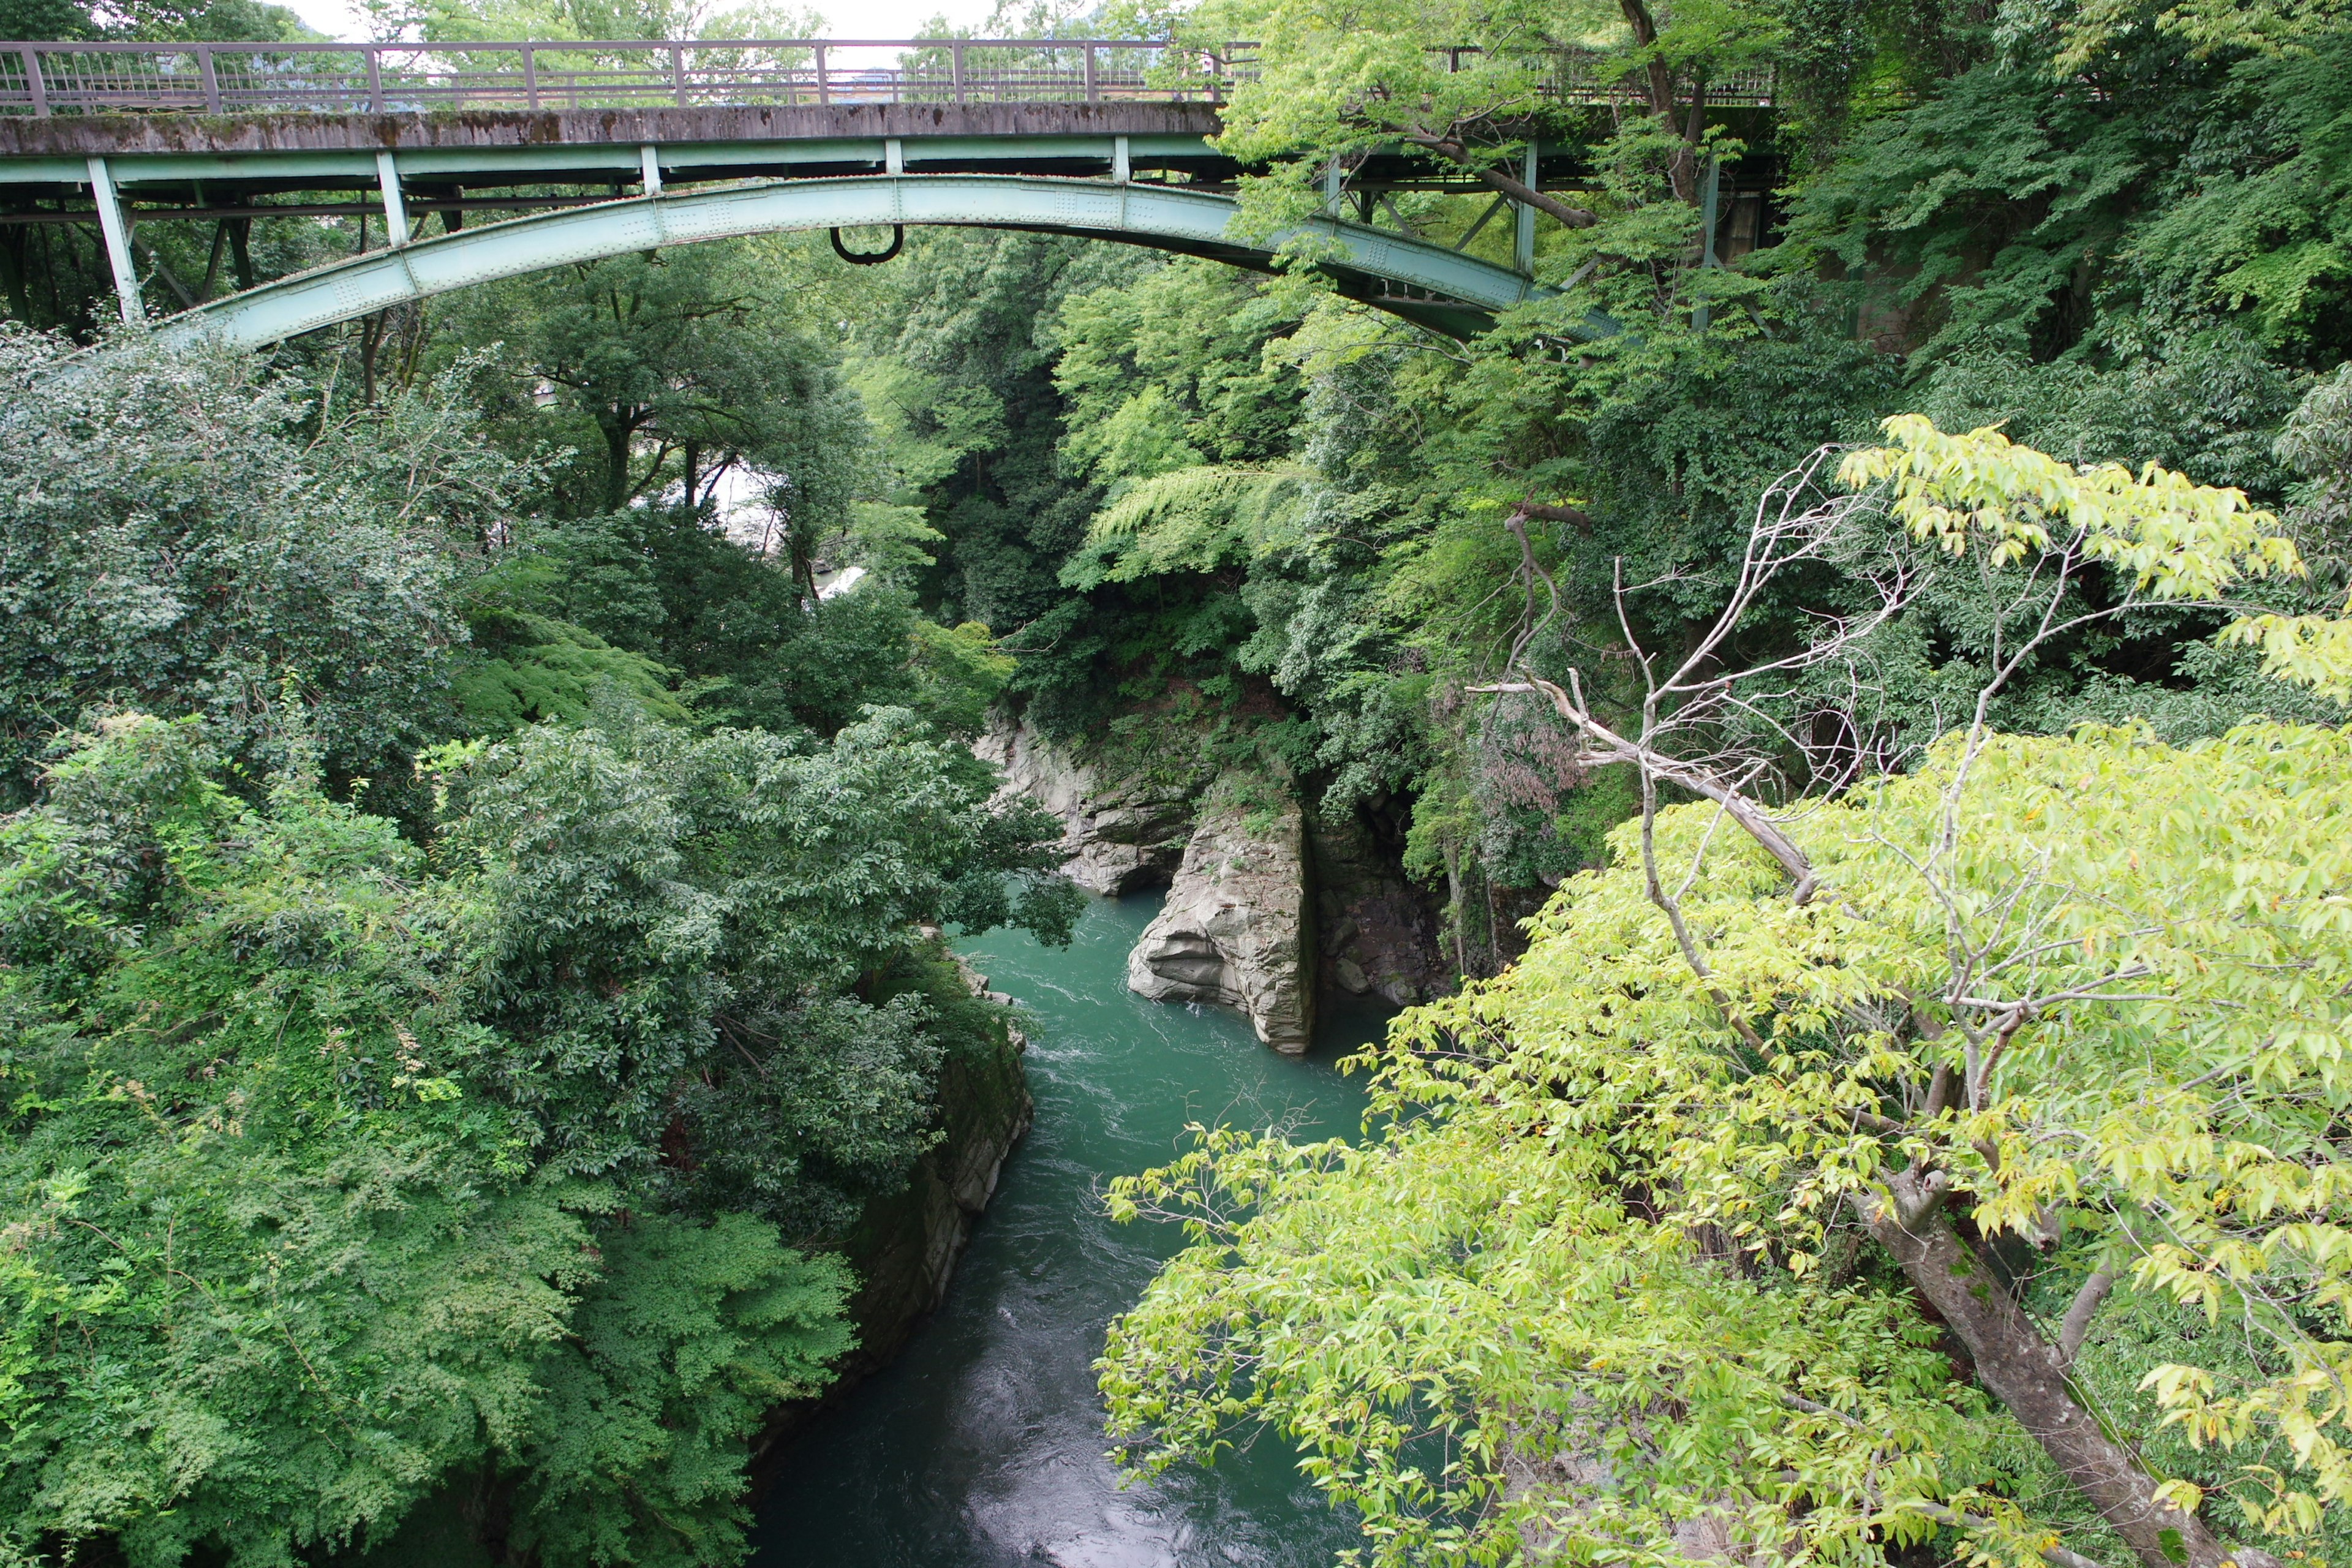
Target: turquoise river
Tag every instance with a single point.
(982, 1446)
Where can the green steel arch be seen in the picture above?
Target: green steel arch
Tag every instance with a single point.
(1442, 289)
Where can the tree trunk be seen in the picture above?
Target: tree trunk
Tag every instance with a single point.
(12, 273)
(2022, 1369)
(616, 464)
(371, 337)
(1681, 170)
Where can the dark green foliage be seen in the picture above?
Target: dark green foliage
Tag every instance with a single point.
(163, 542)
(689, 1336)
(332, 1176)
(666, 370)
(2133, 257)
(420, 1191)
(250, 20)
(659, 908)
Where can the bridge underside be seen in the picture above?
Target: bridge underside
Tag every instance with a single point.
(1143, 173)
(1446, 291)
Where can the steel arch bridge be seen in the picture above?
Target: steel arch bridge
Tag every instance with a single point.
(631, 145)
(1428, 283)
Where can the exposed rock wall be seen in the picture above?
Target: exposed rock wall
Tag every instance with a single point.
(1375, 932)
(1120, 834)
(906, 1246)
(1237, 930)
(1267, 903)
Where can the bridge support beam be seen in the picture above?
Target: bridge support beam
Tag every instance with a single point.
(396, 210)
(117, 232)
(1523, 243)
(1442, 288)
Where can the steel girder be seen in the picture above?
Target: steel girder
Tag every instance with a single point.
(1452, 292)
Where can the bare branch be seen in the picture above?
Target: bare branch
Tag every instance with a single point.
(1616, 748)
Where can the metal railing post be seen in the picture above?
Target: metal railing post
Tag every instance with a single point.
(955, 68)
(211, 80)
(530, 75)
(678, 71)
(824, 92)
(374, 79)
(118, 239)
(1094, 92)
(33, 82)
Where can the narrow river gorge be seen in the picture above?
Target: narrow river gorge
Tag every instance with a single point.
(981, 1447)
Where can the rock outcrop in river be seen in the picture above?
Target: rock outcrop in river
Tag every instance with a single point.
(1269, 901)
(1237, 930)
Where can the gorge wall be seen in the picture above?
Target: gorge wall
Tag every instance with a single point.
(1272, 900)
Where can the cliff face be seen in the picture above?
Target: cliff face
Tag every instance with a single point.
(1269, 901)
(1237, 930)
(906, 1247)
(1121, 834)
(1375, 932)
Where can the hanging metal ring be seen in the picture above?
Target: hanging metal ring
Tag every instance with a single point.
(873, 257)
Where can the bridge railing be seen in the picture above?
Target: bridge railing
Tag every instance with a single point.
(63, 79)
(76, 79)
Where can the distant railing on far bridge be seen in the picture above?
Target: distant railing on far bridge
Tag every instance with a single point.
(73, 78)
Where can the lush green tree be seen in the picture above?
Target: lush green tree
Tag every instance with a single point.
(278, 1258)
(671, 371)
(179, 531)
(1651, 1227)
(338, 1176)
(166, 20)
(662, 909)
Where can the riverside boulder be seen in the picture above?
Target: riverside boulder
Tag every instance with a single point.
(1238, 929)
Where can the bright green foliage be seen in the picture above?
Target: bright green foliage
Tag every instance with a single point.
(271, 1269)
(1521, 1256)
(2155, 529)
(531, 669)
(2088, 992)
(1195, 519)
(1180, 366)
(959, 671)
(690, 1335)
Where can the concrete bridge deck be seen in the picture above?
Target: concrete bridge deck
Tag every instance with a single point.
(219, 164)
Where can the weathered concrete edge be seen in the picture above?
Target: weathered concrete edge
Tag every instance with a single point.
(120, 135)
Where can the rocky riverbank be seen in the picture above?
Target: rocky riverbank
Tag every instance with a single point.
(1272, 899)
